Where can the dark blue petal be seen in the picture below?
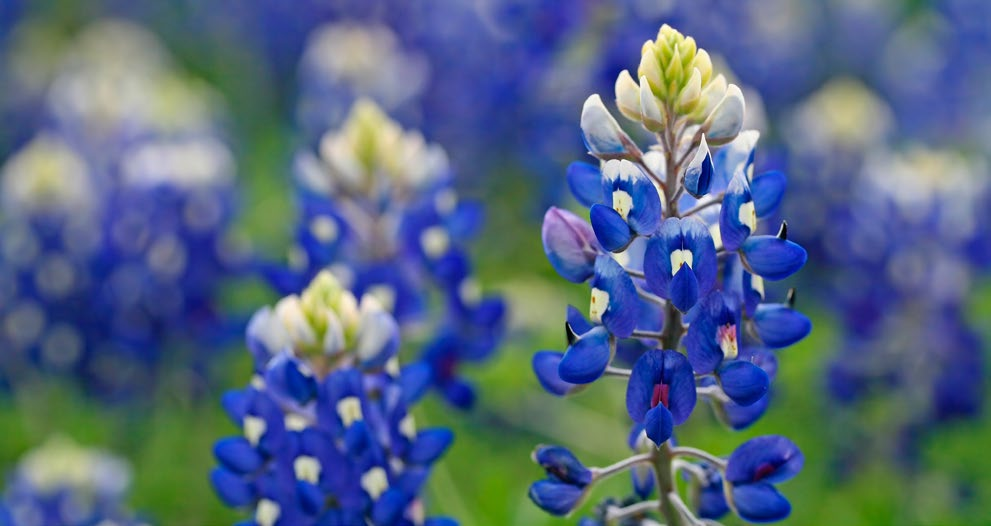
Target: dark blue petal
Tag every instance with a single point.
(780, 326)
(741, 417)
(712, 500)
(773, 258)
(235, 403)
(684, 289)
(586, 359)
(440, 521)
(640, 388)
(585, 182)
(466, 220)
(569, 244)
(545, 365)
(760, 503)
(237, 455)
(231, 488)
(682, 395)
(698, 174)
(698, 240)
(561, 464)
(704, 352)
(612, 232)
(643, 481)
(459, 393)
(621, 315)
(657, 256)
(577, 321)
(658, 424)
(771, 458)
(736, 203)
(415, 380)
(429, 445)
(767, 190)
(556, 498)
(389, 507)
(623, 176)
(311, 499)
(743, 382)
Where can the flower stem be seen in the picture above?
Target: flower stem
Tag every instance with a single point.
(615, 514)
(622, 465)
(666, 486)
(684, 451)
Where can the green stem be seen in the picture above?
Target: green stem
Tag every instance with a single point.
(666, 485)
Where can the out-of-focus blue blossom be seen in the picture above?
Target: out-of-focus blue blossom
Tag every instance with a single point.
(676, 259)
(115, 216)
(326, 433)
(379, 210)
(901, 283)
(63, 483)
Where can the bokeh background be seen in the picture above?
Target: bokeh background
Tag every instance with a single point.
(877, 110)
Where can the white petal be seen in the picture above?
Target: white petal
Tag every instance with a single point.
(628, 96)
(601, 131)
(725, 122)
(653, 115)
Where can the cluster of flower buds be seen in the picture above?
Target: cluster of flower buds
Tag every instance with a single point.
(63, 483)
(116, 216)
(380, 212)
(677, 88)
(326, 433)
(677, 263)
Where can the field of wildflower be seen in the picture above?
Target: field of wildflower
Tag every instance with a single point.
(500, 262)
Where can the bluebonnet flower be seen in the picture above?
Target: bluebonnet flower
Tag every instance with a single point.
(676, 261)
(327, 437)
(380, 211)
(61, 482)
(911, 229)
(116, 217)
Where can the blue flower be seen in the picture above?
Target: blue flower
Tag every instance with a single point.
(632, 206)
(754, 468)
(680, 262)
(661, 393)
(614, 302)
(569, 244)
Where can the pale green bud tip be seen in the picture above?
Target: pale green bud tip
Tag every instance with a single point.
(676, 81)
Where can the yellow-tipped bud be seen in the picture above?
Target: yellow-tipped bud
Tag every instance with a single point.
(679, 78)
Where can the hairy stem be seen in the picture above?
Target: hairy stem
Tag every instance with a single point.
(621, 466)
(666, 486)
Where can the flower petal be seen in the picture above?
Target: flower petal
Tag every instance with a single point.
(585, 182)
(545, 365)
(586, 360)
(698, 174)
(780, 326)
(743, 382)
(601, 132)
(760, 503)
(773, 258)
(429, 445)
(682, 395)
(658, 424)
(623, 310)
(561, 464)
(569, 244)
(611, 230)
(556, 498)
(771, 458)
(767, 190)
(684, 289)
(737, 217)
